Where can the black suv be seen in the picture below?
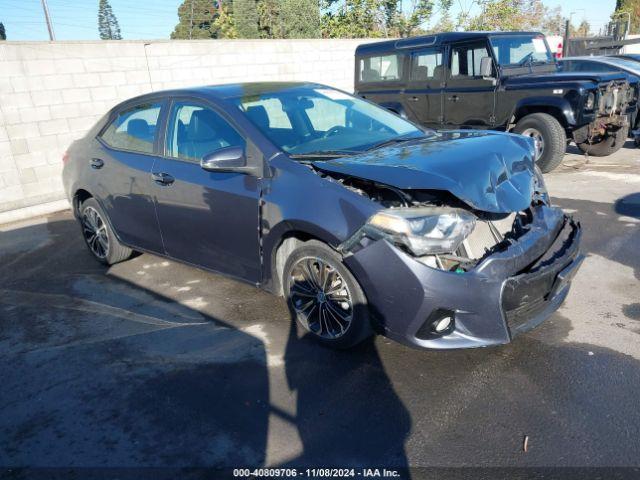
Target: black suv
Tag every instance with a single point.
(498, 80)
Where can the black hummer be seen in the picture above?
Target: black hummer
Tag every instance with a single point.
(498, 80)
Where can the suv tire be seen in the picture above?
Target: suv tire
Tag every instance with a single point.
(324, 297)
(98, 235)
(607, 146)
(553, 137)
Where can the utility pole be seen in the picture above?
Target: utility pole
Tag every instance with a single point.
(52, 37)
(191, 26)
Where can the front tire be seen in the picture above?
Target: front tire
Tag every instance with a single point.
(324, 297)
(98, 235)
(550, 137)
(608, 145)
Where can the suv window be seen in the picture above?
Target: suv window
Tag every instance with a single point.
(465, 59)
(426, 65)
(196, 131)
(384, 68)
(134, 129)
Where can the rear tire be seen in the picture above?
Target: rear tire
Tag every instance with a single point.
(98, 235)
(324, 297)
(608, 145)
(553, 136)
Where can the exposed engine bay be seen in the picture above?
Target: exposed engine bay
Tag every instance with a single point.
(493, 232)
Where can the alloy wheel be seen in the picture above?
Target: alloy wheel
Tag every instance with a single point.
(94, 230)
(320, 297)
(537, 139)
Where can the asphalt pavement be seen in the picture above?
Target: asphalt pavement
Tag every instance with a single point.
(152, 363)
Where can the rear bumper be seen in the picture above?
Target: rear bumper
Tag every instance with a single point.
(508, 293)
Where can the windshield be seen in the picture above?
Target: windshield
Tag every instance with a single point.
(308, 120)
(624, 63)
(520, 50)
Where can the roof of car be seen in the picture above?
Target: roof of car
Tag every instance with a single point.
(229, 90)
(430, 40)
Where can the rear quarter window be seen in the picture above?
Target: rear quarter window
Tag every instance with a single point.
(381, 68)
(134, 129)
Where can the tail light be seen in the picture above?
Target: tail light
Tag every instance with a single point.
(65, 157)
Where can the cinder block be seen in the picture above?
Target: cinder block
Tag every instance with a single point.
(66, 110)
(39, 67)
(81, 124)
(27, 175)
(86, 79)
(23, 130)
(29, 160)
(137, 76)
(46, 97)
(3, 133)
(42, 144)
(47, 172)
(69, 65)
(113, 78)
(53, 127)
(57, 82)
(76, 95)
(19, 146)
(11, 68)
(34, 114)
(103, 93)
(94, 65)
(15, 100)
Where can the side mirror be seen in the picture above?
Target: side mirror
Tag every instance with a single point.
(227, 159)
(486, 68)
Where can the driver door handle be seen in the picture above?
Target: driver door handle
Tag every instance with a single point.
(413, 99)
(453, 98)
(162, 178)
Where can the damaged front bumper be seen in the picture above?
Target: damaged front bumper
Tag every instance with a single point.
(507, 293)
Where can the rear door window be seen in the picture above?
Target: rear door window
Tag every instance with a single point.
(134, 129)
(426, 66)
(465, 59)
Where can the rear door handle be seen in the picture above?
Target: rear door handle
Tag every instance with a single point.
(453, 98)
(97, 163)
(413, 99)
(162, 178)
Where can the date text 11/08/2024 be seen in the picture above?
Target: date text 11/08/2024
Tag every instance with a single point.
(315, 472)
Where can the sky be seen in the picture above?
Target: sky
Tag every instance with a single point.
(155, 19)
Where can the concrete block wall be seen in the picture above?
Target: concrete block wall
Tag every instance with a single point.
(52, 92)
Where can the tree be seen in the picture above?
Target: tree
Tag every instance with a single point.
(288, 19)
(3, 33)
(224, 24)
(633, 8)
(245, 16)
(108, 26)
(582, 31)
(374, 18)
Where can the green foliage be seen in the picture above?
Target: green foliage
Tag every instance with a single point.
(245, 16)
(196, 20)
(581, 31)
(509, 15)
(224, 23)
(108, 26)
(632, 7)
(375, 18)
(289, 19)
(3, 33)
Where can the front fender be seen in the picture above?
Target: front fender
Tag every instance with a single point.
(560, 105)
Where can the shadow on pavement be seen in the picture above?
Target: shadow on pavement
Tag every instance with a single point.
(101, 372)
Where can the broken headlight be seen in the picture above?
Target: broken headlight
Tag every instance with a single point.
(424, 230)
(540, 191)
(590, 101)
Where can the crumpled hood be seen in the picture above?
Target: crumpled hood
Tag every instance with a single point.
(489, 171)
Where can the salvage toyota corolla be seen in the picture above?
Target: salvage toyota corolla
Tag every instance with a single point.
(362, 220)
